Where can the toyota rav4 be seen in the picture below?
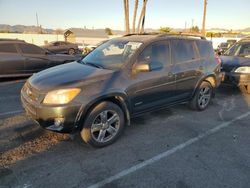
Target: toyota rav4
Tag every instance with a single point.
(122, 78)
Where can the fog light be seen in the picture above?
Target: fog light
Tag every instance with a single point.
(58, 122)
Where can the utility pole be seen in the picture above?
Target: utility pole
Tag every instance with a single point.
(37, 23)
(39, 27)
(203, 30)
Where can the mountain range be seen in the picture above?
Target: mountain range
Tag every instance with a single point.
(5, 28)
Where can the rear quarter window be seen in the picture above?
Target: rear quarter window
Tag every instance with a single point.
(183, 50)
(205, 49)
(7, 48)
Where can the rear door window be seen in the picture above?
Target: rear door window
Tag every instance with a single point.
(183, 50)
(31, 49)
(205, 49)
(8, 48)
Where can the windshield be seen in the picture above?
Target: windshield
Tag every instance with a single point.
(112, 54)
(239, 49)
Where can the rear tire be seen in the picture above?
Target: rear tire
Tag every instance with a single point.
(202, 97)
(104, 124)
(71, 51)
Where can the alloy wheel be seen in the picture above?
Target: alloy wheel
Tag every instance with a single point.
(105, 126)
(204, 97)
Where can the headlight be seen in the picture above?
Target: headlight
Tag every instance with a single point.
(62, 96)
(243, 70)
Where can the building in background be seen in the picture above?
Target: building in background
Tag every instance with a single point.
(85, 36)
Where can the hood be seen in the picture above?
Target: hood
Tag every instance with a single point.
(229, 63)
(67, 75)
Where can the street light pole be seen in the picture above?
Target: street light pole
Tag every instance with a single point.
(203, 31)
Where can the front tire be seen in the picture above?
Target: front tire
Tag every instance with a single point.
(202, 97)
(245, 88)
(104, 124)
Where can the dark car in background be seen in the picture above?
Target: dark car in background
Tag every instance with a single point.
(18, 58)
(224, 46)
(236, 65)
(121, 79)
(62, 47)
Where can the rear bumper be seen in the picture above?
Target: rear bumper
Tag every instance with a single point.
(237, 79)
(55, 118)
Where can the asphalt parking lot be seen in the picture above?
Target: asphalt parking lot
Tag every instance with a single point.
(176, 147)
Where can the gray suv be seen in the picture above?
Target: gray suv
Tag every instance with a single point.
(122, 78)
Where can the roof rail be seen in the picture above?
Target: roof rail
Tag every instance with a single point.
(183, 35)
(4, 39)
(169, 34)
(132, 34)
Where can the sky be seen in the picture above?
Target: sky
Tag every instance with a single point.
(228, 14)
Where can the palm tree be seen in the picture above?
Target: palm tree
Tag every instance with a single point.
(143, 11)
(126, 13)
(135, 14)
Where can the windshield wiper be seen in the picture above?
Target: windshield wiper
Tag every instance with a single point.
(93, 65)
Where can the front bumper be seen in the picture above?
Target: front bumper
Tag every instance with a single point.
(48, 116)
(237, 79)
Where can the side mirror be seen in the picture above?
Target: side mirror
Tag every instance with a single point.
(142, 67)
(147, 67)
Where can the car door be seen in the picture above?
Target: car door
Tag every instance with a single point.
(35, 58)
(154, 88)
(11, 62)
(64, 47)
(186, 66)
(55, 47)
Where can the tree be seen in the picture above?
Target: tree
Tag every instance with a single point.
(126, 13)
(195, 29)
(210, 34)
(108, 31)
(135, 14)
(143, 11)
(165, 29)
